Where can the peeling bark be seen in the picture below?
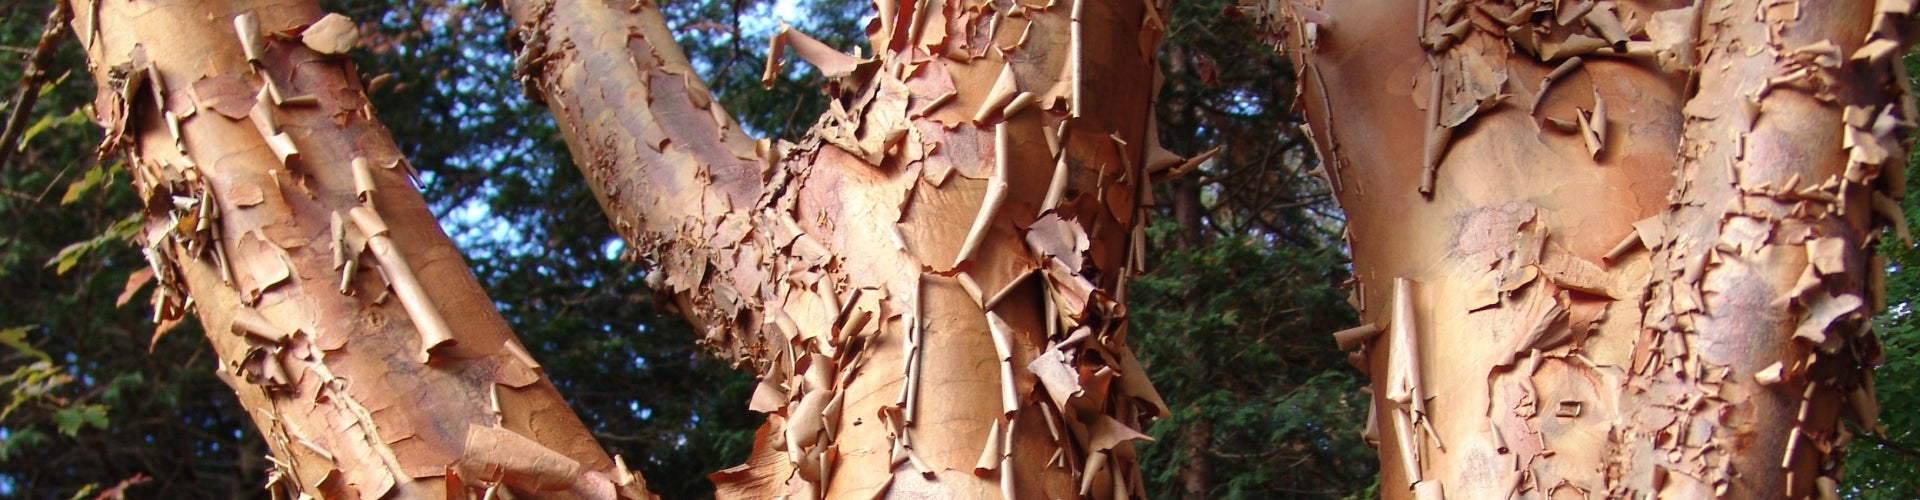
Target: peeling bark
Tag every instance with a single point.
(281, 214)
(1635, 260)
(930, 285)
(1768, 237)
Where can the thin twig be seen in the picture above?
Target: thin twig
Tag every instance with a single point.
(736, 53)
(1890, 445)
(29, 92)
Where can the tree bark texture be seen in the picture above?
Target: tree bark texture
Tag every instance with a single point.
(930, 285)
(282, 215)
(1610, 248)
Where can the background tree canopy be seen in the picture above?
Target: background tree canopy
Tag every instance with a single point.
(1232, 320)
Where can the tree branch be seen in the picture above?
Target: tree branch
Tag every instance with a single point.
(1880, 440)
(23, 100)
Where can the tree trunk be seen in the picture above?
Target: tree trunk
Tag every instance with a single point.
(281, 214)
(930, 285)
(1616, 248)
(1185, 206)
(1196, 473)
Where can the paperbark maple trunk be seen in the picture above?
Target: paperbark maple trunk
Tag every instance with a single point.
(930, 285)
(282, 215)
(1603, 248)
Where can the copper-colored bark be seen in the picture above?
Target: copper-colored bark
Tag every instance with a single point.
(281, 214)
(930, 285)
(1614, 249)
(1765, 262)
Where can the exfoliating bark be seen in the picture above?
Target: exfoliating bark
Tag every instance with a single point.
(930, 285)
(280, 213)
(1607, 248)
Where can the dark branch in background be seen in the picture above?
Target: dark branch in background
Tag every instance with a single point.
(1880, 439)
(50, 37)
(733, 45)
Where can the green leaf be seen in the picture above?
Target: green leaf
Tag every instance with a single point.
(85, 491)
(71, 420)
(45, 122)
(122, 230)
(52, 84)
(70, 256)
(16, 338)
(125, 228)
(96, 177)
(30, 383)
(20, 439)
(49, 122)
(121, 385)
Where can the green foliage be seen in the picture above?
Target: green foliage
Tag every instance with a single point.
(1234, 334)
(20, 441)
(98, 176)
(40, 386)
(32, 383)
(69, 420)
(16, 338)
(120, 233)
(87, 404)
(1881, 465)
(1232, 319)
(52, 121)
(84, 492)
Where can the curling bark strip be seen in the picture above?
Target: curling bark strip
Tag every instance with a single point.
(929, 285)
(1609, 248)
(281, 214)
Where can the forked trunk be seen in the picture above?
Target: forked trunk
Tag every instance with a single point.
(1605, 248)
(930, 285)
(281, 213)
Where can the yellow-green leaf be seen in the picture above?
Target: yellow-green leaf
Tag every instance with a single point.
(16, 338)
